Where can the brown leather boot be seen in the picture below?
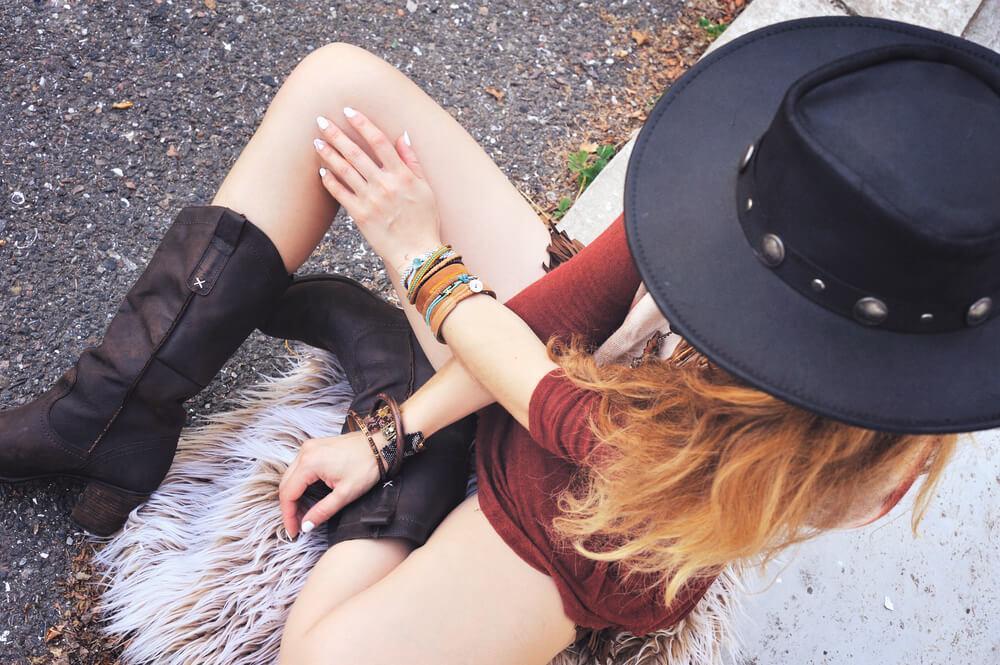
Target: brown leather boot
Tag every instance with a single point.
(375, 345)
(114, 418)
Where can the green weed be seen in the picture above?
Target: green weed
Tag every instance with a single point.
(713, 29)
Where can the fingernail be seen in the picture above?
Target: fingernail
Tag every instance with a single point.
(322, 172)
(406, 137)
(319, 143)
(349, 112)
(307, 526)
(322, 122)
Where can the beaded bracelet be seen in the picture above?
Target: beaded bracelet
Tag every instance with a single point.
(390, 431)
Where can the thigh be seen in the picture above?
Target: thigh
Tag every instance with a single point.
(464, 597)
(346, 569)
(482, 214)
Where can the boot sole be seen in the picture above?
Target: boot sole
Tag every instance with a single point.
(102, 509)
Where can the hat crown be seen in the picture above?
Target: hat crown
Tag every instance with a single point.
(919, 130)
(880, 178)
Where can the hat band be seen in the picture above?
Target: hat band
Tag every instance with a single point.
(836, 295)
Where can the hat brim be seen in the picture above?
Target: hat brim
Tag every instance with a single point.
(685, 237)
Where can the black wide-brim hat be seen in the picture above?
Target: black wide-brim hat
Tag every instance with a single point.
(822, 239)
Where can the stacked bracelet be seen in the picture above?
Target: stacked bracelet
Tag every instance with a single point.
(436, 282)
(389, 420)
(363, 427)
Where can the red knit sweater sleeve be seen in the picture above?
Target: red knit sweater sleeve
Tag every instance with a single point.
(590, 294)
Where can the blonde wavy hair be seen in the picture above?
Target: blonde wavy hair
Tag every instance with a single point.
(696, 470)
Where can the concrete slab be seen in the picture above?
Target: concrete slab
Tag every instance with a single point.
(985, 25)
(950, 16)
(827, 604)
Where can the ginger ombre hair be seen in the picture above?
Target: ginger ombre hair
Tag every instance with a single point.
(696, 470)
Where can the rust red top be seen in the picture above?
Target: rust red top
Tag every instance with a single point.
(521, 472)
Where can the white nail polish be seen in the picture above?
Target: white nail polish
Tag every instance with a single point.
(319, 144)
(349, 112)
(406, 137)
(307, 526)
(322, 122)
(322, 172)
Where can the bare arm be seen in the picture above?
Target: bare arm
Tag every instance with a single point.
(498, 358)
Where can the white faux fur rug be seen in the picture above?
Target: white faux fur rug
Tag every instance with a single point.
(202, 573)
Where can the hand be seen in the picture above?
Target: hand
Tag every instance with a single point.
(393, 205)
(344, 463)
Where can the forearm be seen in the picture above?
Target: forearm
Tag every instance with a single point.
(497, 358)
(499, 350)
(448, 396)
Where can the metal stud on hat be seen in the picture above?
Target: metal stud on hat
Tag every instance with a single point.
(772, 250)
(979, 311)
(870, 311)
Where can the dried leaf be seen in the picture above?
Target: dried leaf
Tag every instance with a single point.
(640, 37)
(172, 151)
(53, 632)
(498, 94)
(210, 4)
(588, 147)
(124, 104)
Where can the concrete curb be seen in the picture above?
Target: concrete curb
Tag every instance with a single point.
(979, 21)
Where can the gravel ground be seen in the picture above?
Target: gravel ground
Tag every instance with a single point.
(87, 190)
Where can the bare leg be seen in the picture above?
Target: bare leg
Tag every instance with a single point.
(346, 569)
(464, 597)
(276, 185)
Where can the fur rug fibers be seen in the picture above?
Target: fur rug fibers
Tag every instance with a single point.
(203, 573)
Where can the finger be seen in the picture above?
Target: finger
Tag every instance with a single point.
(325, 508)
(340, 167)
(409, 155)
(338, 190)
(289, 493)
(379, 142)
(357, 157)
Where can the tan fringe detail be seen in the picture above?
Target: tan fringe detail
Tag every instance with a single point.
(204, 573)
(561, 248)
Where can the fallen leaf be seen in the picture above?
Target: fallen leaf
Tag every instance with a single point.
(172, 151)
(588, 147)
(52, 633)
(496, 93)
(210, 4)
(125, 104)
(640, 37)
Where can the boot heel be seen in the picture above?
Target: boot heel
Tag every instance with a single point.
(102, 510)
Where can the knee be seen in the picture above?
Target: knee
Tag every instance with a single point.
(338, 55)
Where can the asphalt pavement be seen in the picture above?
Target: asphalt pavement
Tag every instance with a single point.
(88, 189)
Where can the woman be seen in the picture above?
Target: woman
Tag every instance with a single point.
(692, 461)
